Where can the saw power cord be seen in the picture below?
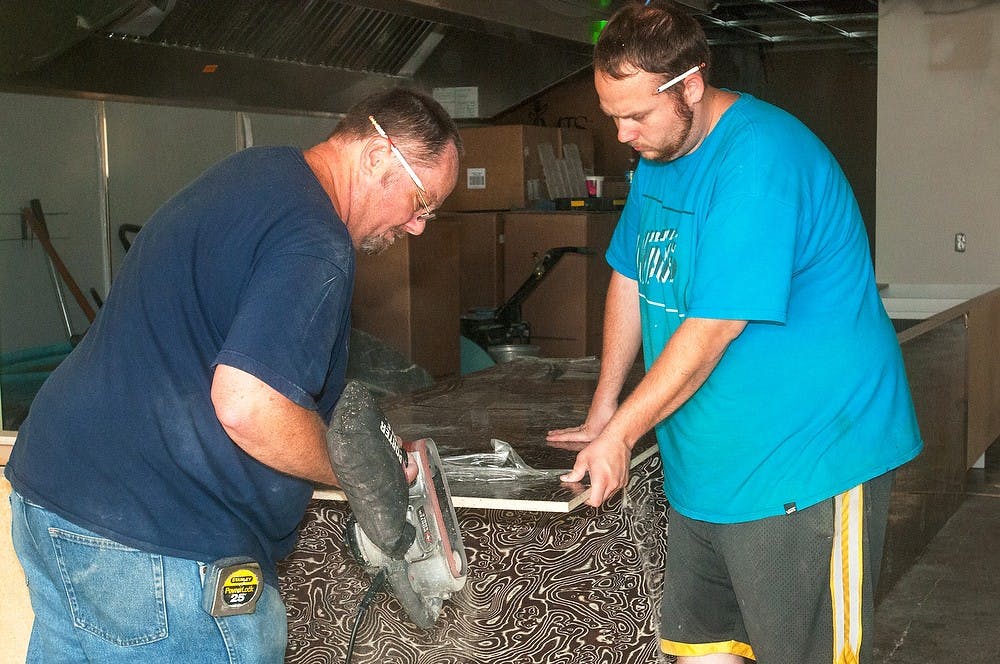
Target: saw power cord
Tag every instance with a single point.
(366, 601)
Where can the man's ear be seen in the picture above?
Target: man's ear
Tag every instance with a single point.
(694, 88)
(374, 156)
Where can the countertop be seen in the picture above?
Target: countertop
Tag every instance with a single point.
(516, 402)
(921, 301)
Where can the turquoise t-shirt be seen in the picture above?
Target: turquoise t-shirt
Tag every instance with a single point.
(760, 224)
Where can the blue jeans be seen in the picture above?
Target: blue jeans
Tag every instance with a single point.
(96, 600)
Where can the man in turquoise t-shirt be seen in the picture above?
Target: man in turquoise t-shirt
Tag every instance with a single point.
(774, 380)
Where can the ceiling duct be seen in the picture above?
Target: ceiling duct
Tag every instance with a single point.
(323, 55)
(318, 33)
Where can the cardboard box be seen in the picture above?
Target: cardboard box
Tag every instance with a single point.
(408, 297)
(566, 310)
(480, 259)
(501, 169)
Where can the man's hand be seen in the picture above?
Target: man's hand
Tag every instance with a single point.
(576, 438)
(606, 460)
(410, 469)
(602, 455)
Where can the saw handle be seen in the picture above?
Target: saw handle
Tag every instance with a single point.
(368, 461)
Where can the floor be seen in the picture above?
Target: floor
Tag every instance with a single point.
(946, 607)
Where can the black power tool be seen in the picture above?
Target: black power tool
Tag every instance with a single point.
(504, 325)
(408, 534)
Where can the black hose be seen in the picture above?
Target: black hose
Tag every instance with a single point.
(377, 584)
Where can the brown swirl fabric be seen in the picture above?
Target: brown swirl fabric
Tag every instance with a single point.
(576, 588)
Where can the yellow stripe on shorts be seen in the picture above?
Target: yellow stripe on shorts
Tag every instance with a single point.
(846, 565)
(698, 649)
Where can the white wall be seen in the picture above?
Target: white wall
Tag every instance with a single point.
(938, 157)
(153, 152)
(157, 150)
(50, 150)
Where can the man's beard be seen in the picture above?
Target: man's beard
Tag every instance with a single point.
(376, 244)
(672, 150)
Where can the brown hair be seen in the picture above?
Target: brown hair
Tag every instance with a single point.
(657, 37)
(414, 121)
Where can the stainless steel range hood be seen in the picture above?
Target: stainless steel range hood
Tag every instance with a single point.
(307, 56)
(323, 55)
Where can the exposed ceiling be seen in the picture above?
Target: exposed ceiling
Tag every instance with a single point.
(322, 55)
(850, 24)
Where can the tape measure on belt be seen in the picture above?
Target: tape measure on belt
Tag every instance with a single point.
(232, 587)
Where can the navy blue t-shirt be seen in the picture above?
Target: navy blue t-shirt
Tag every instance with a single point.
(249, 266)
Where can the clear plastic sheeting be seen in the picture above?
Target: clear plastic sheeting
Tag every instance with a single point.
(503, 464)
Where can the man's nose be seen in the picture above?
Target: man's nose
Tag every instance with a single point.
(627, 132)
(415, 226)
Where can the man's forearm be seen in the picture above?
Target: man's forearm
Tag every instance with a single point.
(622, 338)
(271, 428)
(682, 367)
(301, 451)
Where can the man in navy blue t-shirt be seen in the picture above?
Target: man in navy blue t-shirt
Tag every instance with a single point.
(189, 425)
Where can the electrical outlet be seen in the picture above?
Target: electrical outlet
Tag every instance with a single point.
(960, 242)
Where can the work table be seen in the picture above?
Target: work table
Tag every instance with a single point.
(583, 585)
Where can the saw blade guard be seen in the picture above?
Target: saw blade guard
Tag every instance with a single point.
(435, 566)
(410, 531)
(438, 537)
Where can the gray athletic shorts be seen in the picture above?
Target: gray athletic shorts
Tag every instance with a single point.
(790, 589)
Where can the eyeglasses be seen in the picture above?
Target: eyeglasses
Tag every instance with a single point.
(427, 215)
(677, 79)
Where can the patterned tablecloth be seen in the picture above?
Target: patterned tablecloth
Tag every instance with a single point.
(569, 584)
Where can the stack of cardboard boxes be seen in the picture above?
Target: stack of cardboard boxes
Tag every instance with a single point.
(502, 169)
(501, 236)
(482, 247)
(407, 296)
